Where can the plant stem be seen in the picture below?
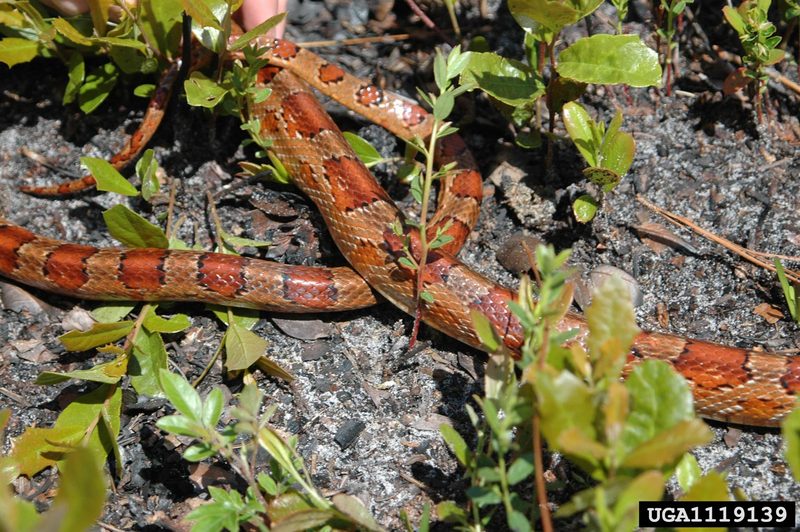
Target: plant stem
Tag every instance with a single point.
(427, 182)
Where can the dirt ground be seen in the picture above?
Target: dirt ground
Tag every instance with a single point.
(365, 408)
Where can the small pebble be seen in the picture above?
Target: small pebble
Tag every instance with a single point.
(512, 254)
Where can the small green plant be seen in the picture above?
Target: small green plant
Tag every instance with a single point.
(622, 12)
(284, 496)
(791, 291)
(626, 437)
(757, 35)
(673, 9)
(609, 153)
(520, 88)
(445, 70)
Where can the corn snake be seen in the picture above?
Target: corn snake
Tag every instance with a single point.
(729, 384)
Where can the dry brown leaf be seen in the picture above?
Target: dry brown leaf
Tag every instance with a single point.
(768, 312)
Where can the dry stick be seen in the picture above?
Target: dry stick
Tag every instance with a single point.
(748, 255)
(427, 21)
(786, 82)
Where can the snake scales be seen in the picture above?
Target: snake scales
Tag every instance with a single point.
(729, 384)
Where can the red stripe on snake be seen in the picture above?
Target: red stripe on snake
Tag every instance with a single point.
(729, 384)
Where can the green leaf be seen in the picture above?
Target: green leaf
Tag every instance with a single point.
(133, 230)
(734, 19)
(649, 486)
(98, 85)
(355, 511)
(81, 492)
(426, 296)
(242, 347)
(585, 207)
(202, 91)
(108, 372)
(563, 403)
(710, 487)
(791, 435)
(201, 14)
(146, 170)
(244, 317)
(406, 262)
(76, 71)
(578, 446)
(145, 90)
(456, 443)
(111, 312)
(240, 242)
(365, 151)
(687, 472)
(212, 407)
(259, 30)
(659, 400)
(107, 177)
(99, 334)
(552, 14)
(520, 469)
(148, 358)
(617, 151)
(155, 323)
(221, 513)
(450, 512)
(512, 82)
(581, 129)
(485, 331)
(161, 22)
(483, 496)
(789, 291)
(611, 59)
(70, 32)
(612, 328)
(667, 446)
(199, 451)
(181, 425)
(181, 394)
(14, 51)
(518, 521)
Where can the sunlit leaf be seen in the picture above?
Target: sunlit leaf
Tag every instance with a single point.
(585, 207)
(133, 230)
(148, 357)
(242, 347)
(99, 334)
(108, 178)
(611, 59)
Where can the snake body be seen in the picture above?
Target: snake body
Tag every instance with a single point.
(729, 384)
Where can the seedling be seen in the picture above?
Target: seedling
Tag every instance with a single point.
(790, 291)
(673, 9)
(622, 13)
(757, 35)
(609, 153)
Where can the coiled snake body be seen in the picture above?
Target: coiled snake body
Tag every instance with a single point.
(729, 384)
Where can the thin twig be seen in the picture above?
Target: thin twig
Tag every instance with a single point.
(747, 254)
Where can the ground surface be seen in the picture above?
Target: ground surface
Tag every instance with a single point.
(698, 154)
